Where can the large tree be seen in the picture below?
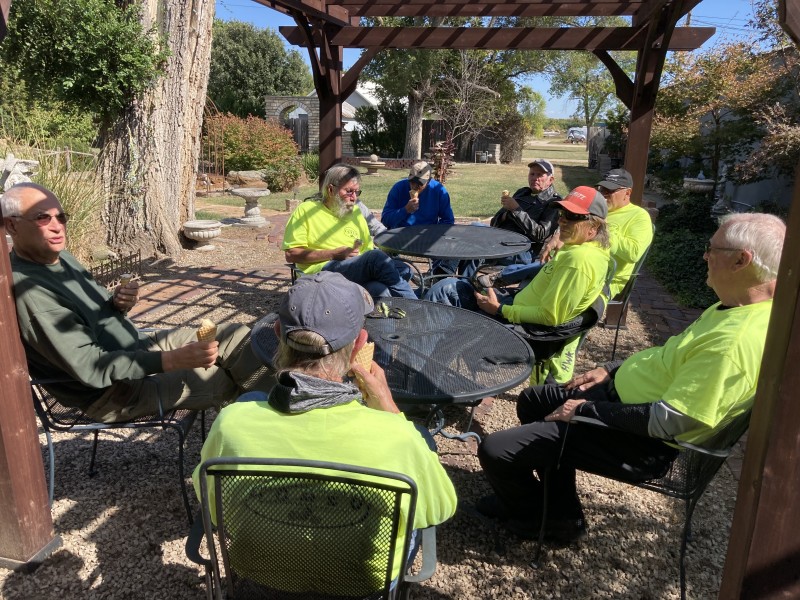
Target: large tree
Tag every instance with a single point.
(249, 63)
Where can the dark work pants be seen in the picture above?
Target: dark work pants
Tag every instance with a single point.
(510, 457)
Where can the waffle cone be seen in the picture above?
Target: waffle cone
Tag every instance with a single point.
(125, 278)
(207, 332)
(364, 356)
(506, 194)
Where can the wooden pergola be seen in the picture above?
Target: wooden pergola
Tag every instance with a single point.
(326, 28)
(764, 551)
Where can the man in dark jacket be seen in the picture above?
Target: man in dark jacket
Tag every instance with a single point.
(529, 211)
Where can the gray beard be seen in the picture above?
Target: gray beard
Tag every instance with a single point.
(344, 210)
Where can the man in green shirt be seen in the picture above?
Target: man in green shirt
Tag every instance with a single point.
(562, 291)
(316, 412)
(686, 390)
(73, 329)
(630, 228)
(331, 236)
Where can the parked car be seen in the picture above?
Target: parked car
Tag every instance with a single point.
(576, 135)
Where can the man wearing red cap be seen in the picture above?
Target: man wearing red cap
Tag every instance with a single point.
(563, 291)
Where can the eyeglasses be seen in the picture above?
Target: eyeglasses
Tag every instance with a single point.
(606, 192)
(571, 216)
(710, 248)
(43, 219)
(355, 193)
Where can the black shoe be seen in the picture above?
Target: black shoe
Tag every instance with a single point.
(561, 531)
(491, 506)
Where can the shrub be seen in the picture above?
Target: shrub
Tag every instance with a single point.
(382, 130)
(676, 260)
(283, 175)
(248, 144)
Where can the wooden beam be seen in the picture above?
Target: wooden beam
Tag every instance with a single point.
(622, 83)
(332, 14)
(789, 18)
(470, 8)
(506, 38)
(763, 560)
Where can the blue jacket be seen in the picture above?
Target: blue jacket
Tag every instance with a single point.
(434, 206)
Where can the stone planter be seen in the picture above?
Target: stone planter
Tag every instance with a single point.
(291, 204)
(202, 231)
(700, 186)
(373, 164)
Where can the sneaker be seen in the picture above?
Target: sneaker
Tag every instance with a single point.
(560, 531)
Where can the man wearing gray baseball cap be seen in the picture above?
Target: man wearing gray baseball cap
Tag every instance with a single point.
(315, 411)
(530, 211)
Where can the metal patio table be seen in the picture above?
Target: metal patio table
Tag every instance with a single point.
(439, 355)
(468, 242)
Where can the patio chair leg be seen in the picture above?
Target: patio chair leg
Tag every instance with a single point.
(687, 532)
(540, 541)
(203, 425)
(92, 472)
(182, 474)
(51, 457)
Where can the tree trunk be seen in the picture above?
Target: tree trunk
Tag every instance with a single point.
(416, 109)
(148, 162)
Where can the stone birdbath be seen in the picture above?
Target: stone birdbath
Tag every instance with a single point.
(252, 213)
(202, 231)
(373, 164)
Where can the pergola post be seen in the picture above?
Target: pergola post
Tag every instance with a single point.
(26, 527)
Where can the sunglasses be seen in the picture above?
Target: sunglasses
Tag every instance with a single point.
(710, 249)
(570, 216)
(43, 219)
(355, 193)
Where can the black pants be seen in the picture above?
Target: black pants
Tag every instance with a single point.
(510, 457)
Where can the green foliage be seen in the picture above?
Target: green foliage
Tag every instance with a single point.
(617, 120)
(676, 259)
(381, 130)
(90, 54)
(283, 175)
(251, 143)
(249, 63)
(510, 130)
(532, 107)
(310, 162)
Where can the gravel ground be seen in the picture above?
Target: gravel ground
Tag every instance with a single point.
(123, 530)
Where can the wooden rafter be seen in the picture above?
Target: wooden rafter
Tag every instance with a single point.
(333, 13)
(504, 38)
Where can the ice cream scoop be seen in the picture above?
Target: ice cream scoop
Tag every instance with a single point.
(207, 332)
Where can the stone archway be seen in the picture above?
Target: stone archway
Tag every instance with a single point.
(276, 107)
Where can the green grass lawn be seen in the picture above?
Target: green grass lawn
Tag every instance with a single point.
(475, 189)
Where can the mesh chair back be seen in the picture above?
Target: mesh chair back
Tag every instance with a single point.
(307, 529)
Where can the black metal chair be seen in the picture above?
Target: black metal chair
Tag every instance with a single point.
(687, 478)
(296, 529)
(55, 416)
(619, 304)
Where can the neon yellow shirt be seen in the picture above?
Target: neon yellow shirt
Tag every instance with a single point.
(631, 232)
(709, 372)
(312, 225)
(349, 433)
(564, 288)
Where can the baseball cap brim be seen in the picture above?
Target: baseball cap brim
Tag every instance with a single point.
(611, 185)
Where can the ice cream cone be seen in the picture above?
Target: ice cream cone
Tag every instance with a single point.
(364, 356)
(207, 332)
(506, 194)
(125, 278)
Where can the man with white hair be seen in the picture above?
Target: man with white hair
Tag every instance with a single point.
(687, 389)
(331, 236)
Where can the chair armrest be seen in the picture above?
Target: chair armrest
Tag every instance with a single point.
(196, 534)
(428, 545)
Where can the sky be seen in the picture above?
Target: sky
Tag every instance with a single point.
(728, 16)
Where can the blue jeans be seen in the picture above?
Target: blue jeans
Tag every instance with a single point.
(458, 292)
(520, 273)
(374, 270)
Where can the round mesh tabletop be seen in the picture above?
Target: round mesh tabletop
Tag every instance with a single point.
(452, 241)
(442, 354)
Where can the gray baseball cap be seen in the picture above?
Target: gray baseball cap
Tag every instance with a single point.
(327, 304)
(616, 179)
(420, 172)
(542, 163)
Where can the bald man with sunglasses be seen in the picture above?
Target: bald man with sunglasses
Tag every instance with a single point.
(74, 329)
